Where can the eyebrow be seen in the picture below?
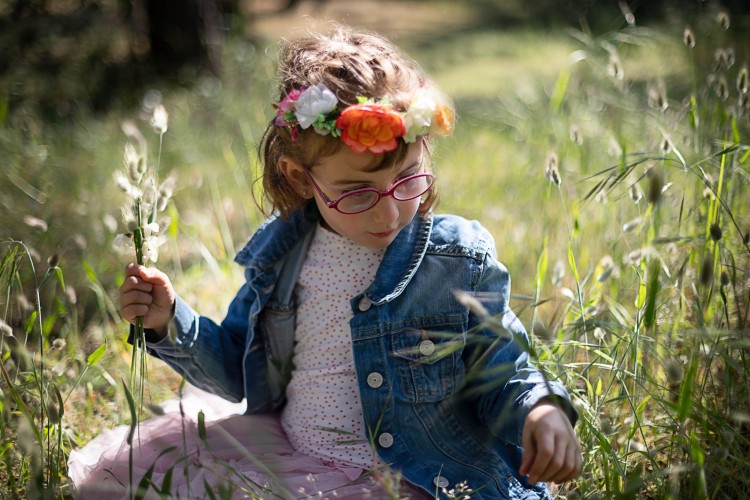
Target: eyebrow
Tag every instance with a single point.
(349, 182)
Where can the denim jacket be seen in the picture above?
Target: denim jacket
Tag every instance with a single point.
(444, 393)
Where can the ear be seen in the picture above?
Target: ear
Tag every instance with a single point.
(294, 174)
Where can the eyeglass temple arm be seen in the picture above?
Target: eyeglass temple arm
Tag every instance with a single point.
(326, 199)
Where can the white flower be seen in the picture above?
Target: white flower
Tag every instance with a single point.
(159, 119)
(314, 102)
(418, 117)
(150, 229)
(151, 248)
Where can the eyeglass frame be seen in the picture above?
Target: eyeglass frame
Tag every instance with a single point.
(381, 194)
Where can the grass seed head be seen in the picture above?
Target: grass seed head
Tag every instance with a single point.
(558, 273)
(53, 260)
(160, 119)
(122, 182)
(135, 164)
(132, 132)
(53, 413)
(665, 146)
(688, 37)
(5, 329)
(673, 371)
(719, 454)
(657, 97)
(635, 192)
(706, 275)
(155, 409)
(613, 148)
(655, 185)
(35, 223)
(541, 330)
(614, 69)
(70, 293)
(723, 19)
(721, 88)
(742, 81)
(724, 277)
(468, 300)
(632, 225)
(575, 134)
(715, 232)
(627, 13)
(634, 257)
(551, 171)
(599, 334)
(608, 267)
(729, 58)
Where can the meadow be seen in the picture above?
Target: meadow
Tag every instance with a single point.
(611, 167)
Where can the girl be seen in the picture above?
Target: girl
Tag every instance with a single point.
(372, 339)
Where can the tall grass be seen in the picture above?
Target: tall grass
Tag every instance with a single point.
(629, 258)
(649, 324)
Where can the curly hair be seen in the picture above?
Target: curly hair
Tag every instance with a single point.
(351, 63)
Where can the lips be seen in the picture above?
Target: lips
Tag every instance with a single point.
(384, 234)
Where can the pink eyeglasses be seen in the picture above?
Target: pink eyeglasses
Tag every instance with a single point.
(361, 200)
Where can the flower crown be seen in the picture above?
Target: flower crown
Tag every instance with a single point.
(369, 125)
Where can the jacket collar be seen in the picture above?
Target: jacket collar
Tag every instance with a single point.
(276, 238)
(401, 260)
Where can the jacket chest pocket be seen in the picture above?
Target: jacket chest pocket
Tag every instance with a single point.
(428, 363)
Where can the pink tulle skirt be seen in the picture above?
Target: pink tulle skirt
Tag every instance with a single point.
(247, 455)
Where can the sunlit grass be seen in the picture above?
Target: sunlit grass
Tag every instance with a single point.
(632, 274)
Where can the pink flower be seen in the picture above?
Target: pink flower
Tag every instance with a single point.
(285, 111)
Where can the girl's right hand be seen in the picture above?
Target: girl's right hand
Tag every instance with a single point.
(147, 292)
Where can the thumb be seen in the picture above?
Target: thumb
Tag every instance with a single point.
(154, 276)
(529, 451)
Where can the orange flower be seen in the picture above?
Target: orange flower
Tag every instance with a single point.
(372, 127)
(444, 120)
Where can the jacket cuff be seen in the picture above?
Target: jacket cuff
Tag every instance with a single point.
(182, 330)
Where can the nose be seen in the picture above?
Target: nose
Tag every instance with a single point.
(386, 211)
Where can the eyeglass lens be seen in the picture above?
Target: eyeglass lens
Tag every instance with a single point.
(406, 189)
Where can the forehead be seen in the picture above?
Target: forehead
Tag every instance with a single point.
(346, 161)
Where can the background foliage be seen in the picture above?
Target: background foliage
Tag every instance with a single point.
(631, 272)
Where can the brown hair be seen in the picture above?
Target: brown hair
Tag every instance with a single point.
(351, 63)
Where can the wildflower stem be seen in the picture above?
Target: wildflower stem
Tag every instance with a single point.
(140, 334)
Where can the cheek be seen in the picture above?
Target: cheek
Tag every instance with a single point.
(409, 208)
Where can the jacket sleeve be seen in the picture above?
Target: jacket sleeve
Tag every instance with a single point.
(210, 355)
(501, 378)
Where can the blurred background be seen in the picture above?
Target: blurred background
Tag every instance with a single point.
(631, 273)
(71, 72)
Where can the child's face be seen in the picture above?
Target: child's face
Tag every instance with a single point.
(347, 170)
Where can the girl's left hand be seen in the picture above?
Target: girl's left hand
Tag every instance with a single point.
(550, 447)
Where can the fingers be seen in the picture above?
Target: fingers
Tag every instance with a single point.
(529, 451)
(550, 448)
(545, 462)
(147, 274)
(145, 292)
(557, 463)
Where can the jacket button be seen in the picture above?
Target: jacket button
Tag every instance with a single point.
(364, 304)
(374, 380)
(426, 347)
(440, 482)
(386, 440)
